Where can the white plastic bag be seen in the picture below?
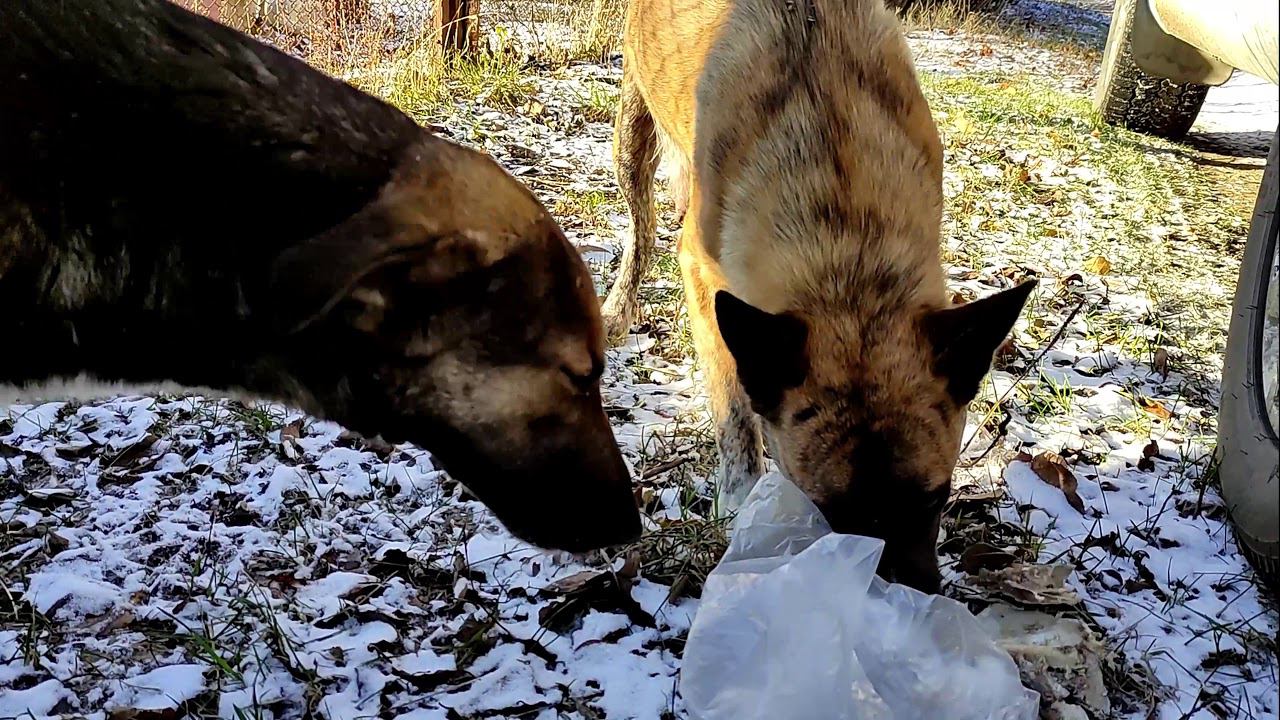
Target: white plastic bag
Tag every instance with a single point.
(794, 624)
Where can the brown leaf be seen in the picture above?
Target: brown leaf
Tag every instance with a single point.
(981, 556)
(1098, 265)
(75, 450)
(293, 430)
(1014, 274)
(576, 582)
(47, 497)
(1147, 462)
(1161, 363)
(122, 620)
(1053, 470)
(1155, 407)
(630, 569)
(590, 590)
(375, 445)
(134, 454)
(55, 542)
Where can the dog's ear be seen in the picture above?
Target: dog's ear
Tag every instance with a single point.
(446, 210)
(966, 338)
(309, 279)
(768, 349)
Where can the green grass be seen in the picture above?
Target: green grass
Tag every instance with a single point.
(1048, 398)
(590, 208)
(999, 129)
(422, 83)
(600, 103)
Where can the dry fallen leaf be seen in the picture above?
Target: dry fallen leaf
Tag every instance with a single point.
(1053, 470)
(292, 430)
(1161, 363)
(1149, 452)
(576, 582)
(134, 454)
(590, 590)
(1029, 584)
(48, 497)
(981, 556)
(1155, 407)
(1098, 265)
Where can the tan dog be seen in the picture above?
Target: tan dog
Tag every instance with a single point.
(810, 254)
(179, 202)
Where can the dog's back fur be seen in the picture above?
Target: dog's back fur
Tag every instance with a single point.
(781, 181)
(810, 253)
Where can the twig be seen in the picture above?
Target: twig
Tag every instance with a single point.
(656, 470)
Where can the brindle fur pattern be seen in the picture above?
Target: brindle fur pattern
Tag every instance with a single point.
(179, 202)
(810, 253)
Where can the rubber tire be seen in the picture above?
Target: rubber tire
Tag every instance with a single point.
(1248, 449)
(1130, 98)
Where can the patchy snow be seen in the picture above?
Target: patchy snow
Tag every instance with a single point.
(164, 688)
(333, 581)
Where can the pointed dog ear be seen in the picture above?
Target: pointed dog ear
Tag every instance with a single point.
(446, 210)
(309, 279)
(965, 338)
(768, 348)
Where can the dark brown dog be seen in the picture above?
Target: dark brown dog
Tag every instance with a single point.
(810, 253)
(180, 202)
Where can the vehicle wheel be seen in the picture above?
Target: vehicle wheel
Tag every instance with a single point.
(1129, 97)
(1249, 451)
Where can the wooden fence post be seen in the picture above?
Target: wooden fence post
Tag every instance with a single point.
(458, 23)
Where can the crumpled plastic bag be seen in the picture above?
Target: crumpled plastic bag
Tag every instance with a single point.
(794, 624)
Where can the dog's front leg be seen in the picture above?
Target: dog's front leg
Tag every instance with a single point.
(738, 435)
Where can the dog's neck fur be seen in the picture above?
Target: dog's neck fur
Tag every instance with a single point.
(91, 324)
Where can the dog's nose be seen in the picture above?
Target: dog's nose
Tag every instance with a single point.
(586, 521)
(917, 570)
(605, 512)
(607, 529)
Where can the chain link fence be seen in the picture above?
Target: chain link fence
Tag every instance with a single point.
(338, 34)
(332, 33)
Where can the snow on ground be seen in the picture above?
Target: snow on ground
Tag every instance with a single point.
(176, 551)
(163, 555)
